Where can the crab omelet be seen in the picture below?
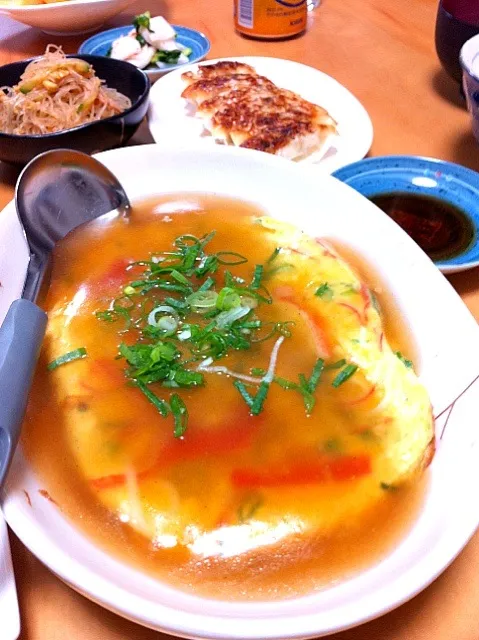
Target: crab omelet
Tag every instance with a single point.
(277, 417)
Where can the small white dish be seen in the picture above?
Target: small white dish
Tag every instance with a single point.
(172, 122)
(100, 45)
(321, 206)
(66, 18)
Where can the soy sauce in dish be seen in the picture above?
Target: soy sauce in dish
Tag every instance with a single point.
(441, 229)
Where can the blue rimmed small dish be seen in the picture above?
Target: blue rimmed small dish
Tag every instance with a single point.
(443, 194)
(100, 45)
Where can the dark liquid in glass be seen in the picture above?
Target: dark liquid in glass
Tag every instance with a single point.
(457, 21)
(441, 230)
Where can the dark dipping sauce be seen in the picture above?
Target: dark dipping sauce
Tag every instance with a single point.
(442, 230)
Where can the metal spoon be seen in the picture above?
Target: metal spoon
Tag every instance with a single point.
(56, 192)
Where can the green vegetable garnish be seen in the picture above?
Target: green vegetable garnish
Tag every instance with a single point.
(259, 398)
(274, 255)
(316, 375)
(407, 363)
(344, 374)
(324, 291)
(160, 404)
(244, 392)
(185, 308)
(142, 21)
(258, 274)
(335, 365)
(77, 354)
(180, 415)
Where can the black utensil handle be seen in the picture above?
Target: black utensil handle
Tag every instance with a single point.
(21, 336)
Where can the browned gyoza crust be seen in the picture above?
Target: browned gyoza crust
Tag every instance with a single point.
(246, 109)
(224, 67)
(222, 84)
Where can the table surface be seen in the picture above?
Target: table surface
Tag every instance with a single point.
(383, 51)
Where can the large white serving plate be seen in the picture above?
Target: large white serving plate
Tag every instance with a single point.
(172, 120)
(448, 343)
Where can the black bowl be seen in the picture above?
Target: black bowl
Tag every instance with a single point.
(93, 136)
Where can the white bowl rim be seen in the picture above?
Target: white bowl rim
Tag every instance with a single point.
(193, 625)
(62, 4)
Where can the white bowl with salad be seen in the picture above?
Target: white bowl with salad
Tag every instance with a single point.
(150, 43)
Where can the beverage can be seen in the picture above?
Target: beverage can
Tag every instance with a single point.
(270, 18)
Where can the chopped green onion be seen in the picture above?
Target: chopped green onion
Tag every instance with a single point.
(407, 363)
(187, 240)
(324, 291)
(237, 258)
(77, 354)
(209, 264)
(180, 415)
(160, 404)
(208, 237)
(244, 393)
(344, 374)
(176, 304)
(259, 398)
(227, 299)
(258, 274)
(202, 300)
(161, 309)
(129, 291)
(107, 316)
(179, 277)
(185, 378)
(226, 318)
(274, 255)
(207, 284)
(316, 375)
(335, 365)
(285, 384)
(258, 372)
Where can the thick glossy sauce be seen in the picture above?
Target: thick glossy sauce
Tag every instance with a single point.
(302, 559)
(442, 230)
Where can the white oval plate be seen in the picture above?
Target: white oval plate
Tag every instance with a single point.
(173, 123)
(66, 18)
(322, 206)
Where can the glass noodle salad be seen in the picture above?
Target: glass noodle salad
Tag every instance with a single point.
(151, 42)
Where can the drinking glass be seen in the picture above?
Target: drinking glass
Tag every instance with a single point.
(457, 21)
(313, 4)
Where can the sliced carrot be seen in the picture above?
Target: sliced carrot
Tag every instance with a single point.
(318, 471)
(326, 249)
(313, 319)
(363, 398)
(353, 310)
(111, 280)
(197, 443)
(104, 374)
(381, 340)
